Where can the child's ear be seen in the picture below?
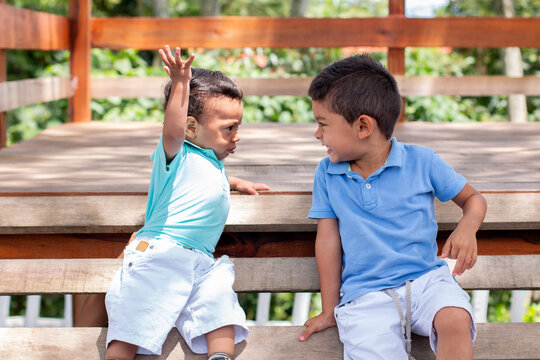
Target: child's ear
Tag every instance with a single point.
(364, 126)
(192, 127)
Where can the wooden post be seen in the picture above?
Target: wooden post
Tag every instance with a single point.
(3, 77)
(396, 56)
(79, 46)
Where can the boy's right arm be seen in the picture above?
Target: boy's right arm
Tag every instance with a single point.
(328, 255)
(174, 124)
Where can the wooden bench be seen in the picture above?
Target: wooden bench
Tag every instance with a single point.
(86, 276)
(77, 214)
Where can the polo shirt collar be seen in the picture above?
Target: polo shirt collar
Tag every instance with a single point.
(395, 158)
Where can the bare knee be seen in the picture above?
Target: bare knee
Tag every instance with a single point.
(121, 350)
(452, 320)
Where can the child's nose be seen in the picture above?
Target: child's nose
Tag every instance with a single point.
(317, 134)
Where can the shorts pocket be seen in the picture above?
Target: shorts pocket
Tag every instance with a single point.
(133, 258)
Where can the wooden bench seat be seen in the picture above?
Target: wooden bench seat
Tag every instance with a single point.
(264, 343)
(86, 276)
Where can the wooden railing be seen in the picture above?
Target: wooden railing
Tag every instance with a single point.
(79, 32)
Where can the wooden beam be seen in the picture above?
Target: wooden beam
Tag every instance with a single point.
(16, 94)
(270, 212)
(3, 78)
(32, 30)
(396, 55)
(230, 32)
(152, 87)
(468, 85)
(235, 244)
(494, 341)
(79, 64)
(88, 276)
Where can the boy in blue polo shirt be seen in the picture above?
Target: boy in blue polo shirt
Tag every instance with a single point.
(169, 277)
(376, 244)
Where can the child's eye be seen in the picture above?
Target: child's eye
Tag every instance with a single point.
(230, 128)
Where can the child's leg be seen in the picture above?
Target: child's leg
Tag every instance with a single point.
(443, 312)
(221, 341)
(370, 328)
(121, 350)
(453, 327)
(213, 321)
(91, 310)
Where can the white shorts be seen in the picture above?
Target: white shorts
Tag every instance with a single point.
(167, 285)
(370, 326)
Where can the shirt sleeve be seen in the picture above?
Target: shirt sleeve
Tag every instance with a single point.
(320, 206)
(446, 182)
(161, 171)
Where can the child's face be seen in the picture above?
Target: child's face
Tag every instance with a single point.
(218, 126)
(334, 132)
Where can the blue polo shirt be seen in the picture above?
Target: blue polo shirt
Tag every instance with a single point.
(387, 221)
(189, 199)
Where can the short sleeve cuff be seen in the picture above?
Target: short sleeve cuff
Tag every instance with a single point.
(454, 190)
(321, 214)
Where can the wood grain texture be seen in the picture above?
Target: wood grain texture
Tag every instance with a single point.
(3, 78)
(230, 32)
(152, 87)
(32, 30)
(95, 176)
(86, 276)
(113, 158)
(79, 62)
(16, 94)
(235, 244)
(124, 214)
(494, 341)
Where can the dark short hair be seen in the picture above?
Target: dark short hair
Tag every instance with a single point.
(359, 85)
(205, 83)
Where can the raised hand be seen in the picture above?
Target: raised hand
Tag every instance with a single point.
(176, 68)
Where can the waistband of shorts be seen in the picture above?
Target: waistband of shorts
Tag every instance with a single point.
(150, 238)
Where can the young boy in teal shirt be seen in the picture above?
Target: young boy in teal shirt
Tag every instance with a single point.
(169, 277)
(376, 246)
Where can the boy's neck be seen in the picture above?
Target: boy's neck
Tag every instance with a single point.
(372, 160)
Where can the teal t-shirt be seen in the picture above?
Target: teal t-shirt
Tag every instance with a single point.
(189, 199)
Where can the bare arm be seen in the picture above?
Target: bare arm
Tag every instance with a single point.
(174, 125)
(461, 244)
(328, 255)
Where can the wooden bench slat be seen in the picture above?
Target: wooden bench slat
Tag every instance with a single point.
(117, 213)
(84, 276)
(152, 86)
(264, 343)
(227, 32)
(32, 30)
(16, 94)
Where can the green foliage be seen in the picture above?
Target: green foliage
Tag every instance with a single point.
(51, 306)
(499, 306)
(533, 313)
